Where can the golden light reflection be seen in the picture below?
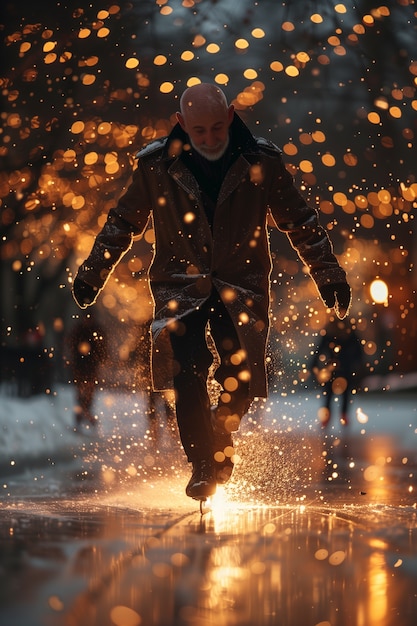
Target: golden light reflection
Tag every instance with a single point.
(84, 33)
(55, 603)
(337, 557)
(250, 74)
(187, 55)
(340, 8)
(258, 33)
(361, 416)
(379, 291)
(292, 71)
(213, 48)
(166, 87)
(377, 589)
(221, 79)
(222, 507)
(242, 44)
(132, 63)
(316, 18)
(166, 10)
(124, 616)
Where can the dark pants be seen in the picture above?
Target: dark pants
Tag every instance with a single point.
(192, 362)
(346, 395)
(85, 395)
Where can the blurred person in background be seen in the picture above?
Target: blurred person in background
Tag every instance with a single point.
(337, 366)
(211, 188)
(87, 351)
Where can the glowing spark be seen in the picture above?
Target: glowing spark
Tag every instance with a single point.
(361, 416)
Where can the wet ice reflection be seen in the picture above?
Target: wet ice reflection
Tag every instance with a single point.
(314, 528)
(285, 565)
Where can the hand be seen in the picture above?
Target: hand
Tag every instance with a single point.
(337, 296)
(83, 293)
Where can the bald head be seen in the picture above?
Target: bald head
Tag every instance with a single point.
(205, 116)
(202, 97)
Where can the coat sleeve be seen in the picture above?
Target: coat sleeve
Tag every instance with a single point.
(301, 224)
(127, 219)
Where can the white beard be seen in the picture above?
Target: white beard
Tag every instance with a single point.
(209, 153)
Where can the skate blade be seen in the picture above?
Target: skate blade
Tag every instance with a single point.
(204, 506)
(204, 502)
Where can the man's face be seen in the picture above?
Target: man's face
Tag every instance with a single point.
(208, 130)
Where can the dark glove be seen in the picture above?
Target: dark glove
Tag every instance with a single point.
(83, 293)
(337, 296)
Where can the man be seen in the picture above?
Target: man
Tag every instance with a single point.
(210, 187)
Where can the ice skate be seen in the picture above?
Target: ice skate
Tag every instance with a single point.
(202, 483)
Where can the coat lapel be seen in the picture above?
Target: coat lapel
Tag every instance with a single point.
(184, 178)
(233, 178)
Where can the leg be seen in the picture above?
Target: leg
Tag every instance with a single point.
(345, 405)
(192, 362)
(193, 359)
(325, 413)
(234, 400)
(85, 394)
(232, 373)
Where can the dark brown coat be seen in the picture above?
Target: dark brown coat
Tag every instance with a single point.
(234, 256)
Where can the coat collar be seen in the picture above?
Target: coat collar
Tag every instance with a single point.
(241, 140)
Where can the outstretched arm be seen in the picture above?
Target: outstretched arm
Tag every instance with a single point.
(112, 242)
(307, 236)
(127, 219)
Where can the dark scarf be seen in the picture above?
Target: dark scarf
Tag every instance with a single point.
(210, 174)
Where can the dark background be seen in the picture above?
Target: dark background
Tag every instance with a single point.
(84, 87)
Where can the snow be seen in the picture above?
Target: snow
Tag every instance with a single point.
(36, 429)
(32, 428)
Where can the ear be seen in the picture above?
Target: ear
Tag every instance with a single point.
(180, 120)
(230, 113)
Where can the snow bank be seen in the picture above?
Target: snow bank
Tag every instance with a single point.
(36, 427)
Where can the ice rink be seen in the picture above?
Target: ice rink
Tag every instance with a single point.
(317, 526)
